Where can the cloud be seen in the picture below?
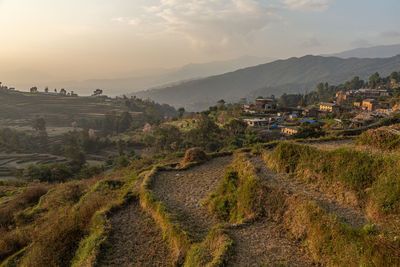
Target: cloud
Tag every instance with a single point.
(390, 34)
(207, 24)
(311, 43)
(308, 5)
(130, 21)
(360, 43)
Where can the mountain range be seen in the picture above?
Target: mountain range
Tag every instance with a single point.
(381, 51)
(135, 81)
(294, 75)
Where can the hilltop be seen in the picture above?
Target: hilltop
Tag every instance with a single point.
(292, 75)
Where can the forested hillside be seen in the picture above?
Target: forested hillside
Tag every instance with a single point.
(293, 75)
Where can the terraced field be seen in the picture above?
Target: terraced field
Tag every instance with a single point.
(135, 240)
(183, 192)
(260, 242)
(9, 163)
(347, 213)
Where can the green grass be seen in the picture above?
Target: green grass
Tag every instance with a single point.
(373, 177)
(177, 239)
(334, 243)
(214, 251)
(239, 195)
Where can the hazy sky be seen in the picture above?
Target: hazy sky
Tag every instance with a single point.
(77, 39)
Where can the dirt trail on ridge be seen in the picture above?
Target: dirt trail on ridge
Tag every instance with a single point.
(351, 215)
(182, 192)
(134, 240)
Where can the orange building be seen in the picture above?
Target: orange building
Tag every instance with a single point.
(369, 104)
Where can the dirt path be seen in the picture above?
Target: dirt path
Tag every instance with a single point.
(134, 240)
(183, 192)
(353, 216)
(264, 244)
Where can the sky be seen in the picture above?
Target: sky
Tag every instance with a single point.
(84, 39)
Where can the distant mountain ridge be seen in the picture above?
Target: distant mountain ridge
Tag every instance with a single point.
(118, 86)
(382, 51)
(293, 75)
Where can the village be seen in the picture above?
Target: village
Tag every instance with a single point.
(349, 109)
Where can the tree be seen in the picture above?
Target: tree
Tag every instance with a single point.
(395, 76)
(309, 130)
(236, 126)
(374, 80)
(206, 134)
(220, 104)
(124, 122)
(167, 138)
(74, 152)
(39, 124)
(355, 83)
(97, 92)
(121, 146)
(181, 112)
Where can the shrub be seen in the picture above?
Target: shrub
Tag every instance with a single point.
(194, 155)
(381, 138)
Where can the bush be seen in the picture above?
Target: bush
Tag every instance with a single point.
(194, 155)
(58, 172)
(381, 138)
(121, 162)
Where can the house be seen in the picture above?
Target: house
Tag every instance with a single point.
(293, 116)
(328, 107)
(257, 122)
(357, 105)
(369, 104)
(264, 103)
(288, 131)
(341, 97)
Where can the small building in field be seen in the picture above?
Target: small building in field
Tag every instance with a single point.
(288, 131)
(369, 104)
(328, 107)
(257, 122)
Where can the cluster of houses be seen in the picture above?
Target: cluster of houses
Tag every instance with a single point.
(364, 99)
(365, 103)
(260, 105)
